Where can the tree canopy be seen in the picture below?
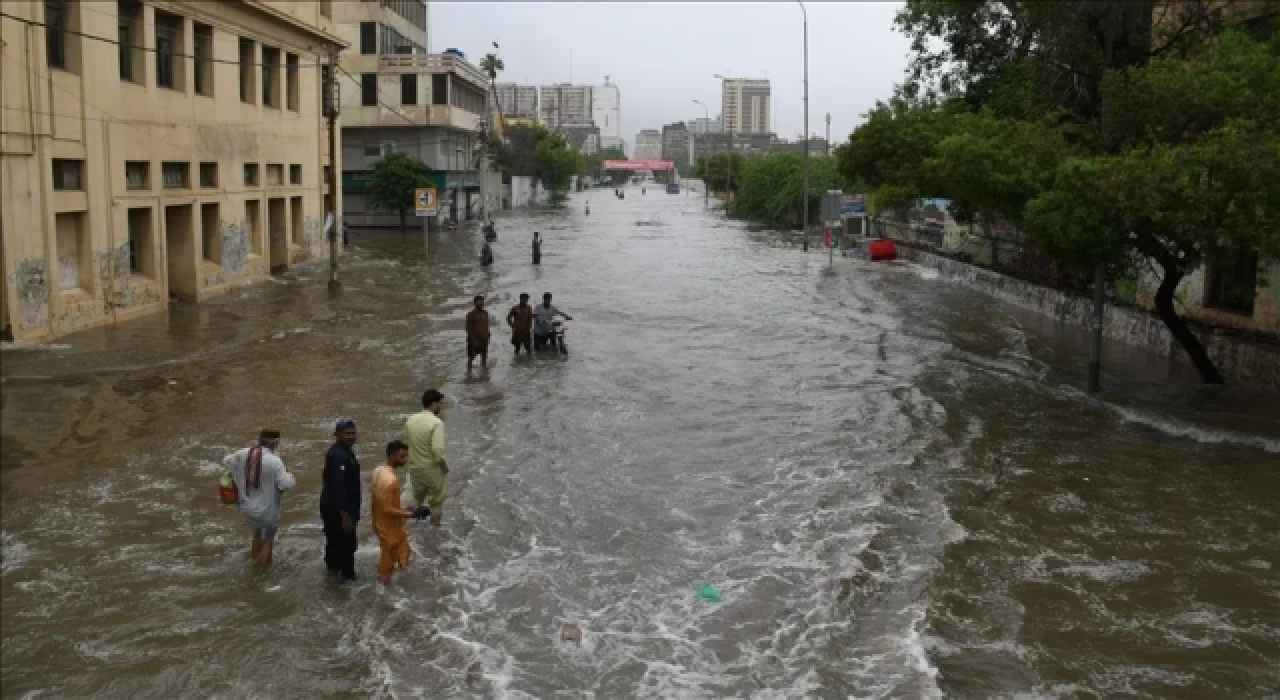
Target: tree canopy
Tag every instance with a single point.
(557, 164)
(393, 181)
(1114, 132)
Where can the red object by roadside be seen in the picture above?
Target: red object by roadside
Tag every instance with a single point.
(881, 249)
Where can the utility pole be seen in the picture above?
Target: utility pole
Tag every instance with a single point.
(826, 148)
(804, 206)
(331, 114)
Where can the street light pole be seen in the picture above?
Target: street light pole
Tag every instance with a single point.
(805, 204)
(706, 181)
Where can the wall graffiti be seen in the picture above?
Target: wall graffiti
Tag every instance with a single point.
(113, 276)
(313, 235)
(235, 248)
(30, 283)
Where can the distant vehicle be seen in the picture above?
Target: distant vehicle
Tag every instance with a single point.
(673, 188)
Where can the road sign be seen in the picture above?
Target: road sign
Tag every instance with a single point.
(831, 205)
(853, 205)
(425, 202)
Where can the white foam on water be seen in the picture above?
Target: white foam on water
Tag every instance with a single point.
(927, 273)
(18, 345)
(1208, 436)
(13, 554)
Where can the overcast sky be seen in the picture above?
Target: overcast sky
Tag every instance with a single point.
(662, 55)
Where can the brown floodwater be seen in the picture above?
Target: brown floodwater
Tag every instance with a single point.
(896, 485)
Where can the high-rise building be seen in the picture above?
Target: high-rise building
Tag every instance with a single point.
(183, 161)
(565, 104)
(606, 112)
(675, 143)
(744, 106)
(517, 101)
(648, 145)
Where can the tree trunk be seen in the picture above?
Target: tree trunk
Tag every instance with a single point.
(1195, 349)
(402, 224)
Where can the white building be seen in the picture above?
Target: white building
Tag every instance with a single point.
(745, 107)
(606, 112)
(648, 145)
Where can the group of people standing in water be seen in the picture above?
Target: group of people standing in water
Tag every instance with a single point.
(491, 235)
(261, 478)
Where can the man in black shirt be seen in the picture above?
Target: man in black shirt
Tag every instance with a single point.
(340, 501)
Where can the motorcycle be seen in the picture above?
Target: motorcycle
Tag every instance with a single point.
(554, 338)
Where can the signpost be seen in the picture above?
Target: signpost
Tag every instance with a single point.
(426, 204)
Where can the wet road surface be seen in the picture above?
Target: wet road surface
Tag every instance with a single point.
(894, 483)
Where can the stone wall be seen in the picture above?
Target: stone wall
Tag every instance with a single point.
(1238, 358)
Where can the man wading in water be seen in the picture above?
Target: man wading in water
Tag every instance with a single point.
(427, 469)
(340, 501)
(520, 318)
(478, 334)
(388, 516)
(261, 480)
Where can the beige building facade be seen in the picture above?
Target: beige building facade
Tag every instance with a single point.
(399, 97)
(155, 150)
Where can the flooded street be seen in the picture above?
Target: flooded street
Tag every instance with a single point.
(894, 483)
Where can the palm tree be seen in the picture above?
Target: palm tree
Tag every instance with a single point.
(492, 65)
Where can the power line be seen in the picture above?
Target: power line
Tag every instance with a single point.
(395, 111)
(116, 42)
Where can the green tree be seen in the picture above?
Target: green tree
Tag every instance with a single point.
(557, 163)
(720, 170)
(771, 190)
(393, 181)
(515, 154)
(492, 65)
(1116, 131)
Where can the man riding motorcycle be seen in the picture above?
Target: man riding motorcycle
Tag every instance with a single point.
(544, 315)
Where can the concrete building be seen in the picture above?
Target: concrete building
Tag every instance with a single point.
(675, 144)
(606, 113)
(703, 125)
(180, 163)
(565, 104)
(398, 97)
(517, 101)
(744, 106)
(648, 145)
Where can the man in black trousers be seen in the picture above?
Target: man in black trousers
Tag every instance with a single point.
(340, 501)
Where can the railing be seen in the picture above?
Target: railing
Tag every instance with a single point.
(434, 63)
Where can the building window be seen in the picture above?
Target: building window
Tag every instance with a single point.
(439, 89)
(129, 33)
(270, 77)
(141, 254)
(275, 174)
(295, 174)
(168, 49)
(408, 89)
(72, 251)
(251, 174)
(137, 175)
(68, 175)
(253, 217)
(210, 233)
(246, 70)
(208, 174)
(203, 35)
(55, 32)
(368, 89)
(291, 81)
(175, 176)
(372, 150)
(326, 8)
(368, 38)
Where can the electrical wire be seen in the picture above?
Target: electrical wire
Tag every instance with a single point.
(116, 42)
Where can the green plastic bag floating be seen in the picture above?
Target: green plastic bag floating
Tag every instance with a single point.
(709, 593)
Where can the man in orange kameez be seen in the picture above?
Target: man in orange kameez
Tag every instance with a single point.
(388, 517)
